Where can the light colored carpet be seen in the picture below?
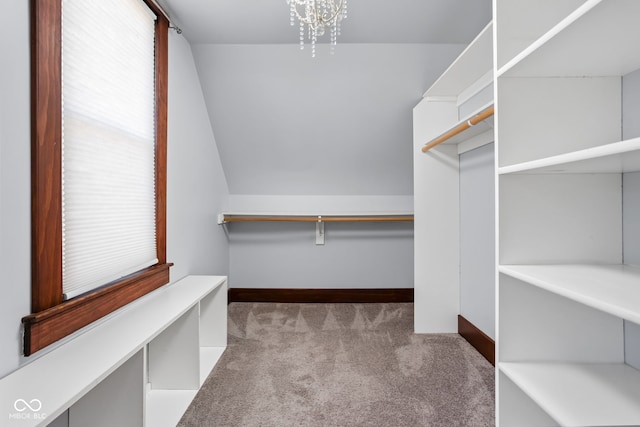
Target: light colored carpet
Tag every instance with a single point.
(341, 365)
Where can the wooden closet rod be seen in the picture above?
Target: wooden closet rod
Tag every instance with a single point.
(488, 112)
(318, 218)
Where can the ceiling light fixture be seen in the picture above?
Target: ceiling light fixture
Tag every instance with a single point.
(318, 16)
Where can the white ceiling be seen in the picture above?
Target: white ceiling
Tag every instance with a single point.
(287, 124)
(368, 21)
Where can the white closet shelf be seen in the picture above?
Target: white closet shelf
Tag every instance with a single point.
(611, 288)
(468, 68)
(100, 350)
(581, 394)
(617, 157)
(600, 38)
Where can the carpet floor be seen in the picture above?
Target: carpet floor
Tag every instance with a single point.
(341, 365)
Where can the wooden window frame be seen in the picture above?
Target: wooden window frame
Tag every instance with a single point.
(52, 318)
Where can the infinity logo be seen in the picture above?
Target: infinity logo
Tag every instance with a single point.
(22, 405)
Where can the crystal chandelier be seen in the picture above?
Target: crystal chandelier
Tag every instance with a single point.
(318, 16)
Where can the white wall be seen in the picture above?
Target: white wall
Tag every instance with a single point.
(320, 204)
(355, 255)
(477, 238)
(15, 183)
(196, 188)
(289, 124)
(330, 134)
(196, 185)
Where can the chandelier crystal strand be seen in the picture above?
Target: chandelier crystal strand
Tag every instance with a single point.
(319, 16)
(344, 16)
(334, 38)
(292, 14)
(314, 38)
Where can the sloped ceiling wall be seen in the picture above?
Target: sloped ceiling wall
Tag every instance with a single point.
(289, 124)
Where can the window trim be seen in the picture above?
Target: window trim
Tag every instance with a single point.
(52, 318)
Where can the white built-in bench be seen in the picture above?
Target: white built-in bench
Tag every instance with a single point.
(141, 366)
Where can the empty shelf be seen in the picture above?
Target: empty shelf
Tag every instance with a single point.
(613, 289)
(581, 394)
(617, 157)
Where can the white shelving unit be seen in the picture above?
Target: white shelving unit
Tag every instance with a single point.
(563, 290)
(141, 366)
(463, 90)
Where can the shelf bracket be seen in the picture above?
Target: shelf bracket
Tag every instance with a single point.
(320, 231)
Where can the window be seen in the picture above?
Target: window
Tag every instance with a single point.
(65, 299)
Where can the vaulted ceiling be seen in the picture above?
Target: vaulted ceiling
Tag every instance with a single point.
(340, 124)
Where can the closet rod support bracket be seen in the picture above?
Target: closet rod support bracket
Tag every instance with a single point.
(320, 231)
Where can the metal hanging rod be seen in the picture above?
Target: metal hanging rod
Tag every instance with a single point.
(224, 218)
(319, 220)
(483, 115)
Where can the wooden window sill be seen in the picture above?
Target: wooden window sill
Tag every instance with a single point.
(48, 326)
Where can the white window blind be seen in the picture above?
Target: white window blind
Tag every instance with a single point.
(108, 142)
